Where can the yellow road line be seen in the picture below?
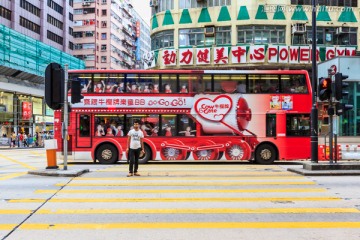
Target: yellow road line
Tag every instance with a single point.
(112, 191)
(15, 211)
(183, 225)
(38, 154)
(201, 211)
(186, 178)
(17, 162)
(7, 226)
(129, 183)
(241, 199)
(13, 175)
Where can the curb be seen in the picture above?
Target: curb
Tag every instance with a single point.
(59, 173)
(325, 172)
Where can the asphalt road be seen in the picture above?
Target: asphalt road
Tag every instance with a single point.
(174, 201)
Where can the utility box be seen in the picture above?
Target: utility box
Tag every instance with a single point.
(347, 65)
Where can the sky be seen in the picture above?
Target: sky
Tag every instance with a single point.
(143, 8)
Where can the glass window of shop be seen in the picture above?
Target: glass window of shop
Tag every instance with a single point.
(261, 34)
(37, 106)
(163, 5)
(164, 39)
(6, 102)
(6, 113)
(191, 37)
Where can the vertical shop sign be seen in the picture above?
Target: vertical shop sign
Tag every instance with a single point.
(26, 110)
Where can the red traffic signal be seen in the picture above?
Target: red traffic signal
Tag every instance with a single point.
(325, 89)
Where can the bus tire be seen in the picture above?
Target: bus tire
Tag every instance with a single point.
(107, 154)
(265, 154)
(147, 155)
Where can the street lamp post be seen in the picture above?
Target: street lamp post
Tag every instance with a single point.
(314, 110)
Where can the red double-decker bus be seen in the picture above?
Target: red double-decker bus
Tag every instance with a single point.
(191, 115)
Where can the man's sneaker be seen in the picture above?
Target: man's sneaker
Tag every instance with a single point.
(130, 174)
(136, 174)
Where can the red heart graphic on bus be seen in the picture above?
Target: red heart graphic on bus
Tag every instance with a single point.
(213, 110)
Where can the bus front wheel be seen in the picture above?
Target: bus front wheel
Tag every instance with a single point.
(265, 154)
(107, 154)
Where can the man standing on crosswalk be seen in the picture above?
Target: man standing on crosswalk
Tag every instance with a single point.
(135, 145)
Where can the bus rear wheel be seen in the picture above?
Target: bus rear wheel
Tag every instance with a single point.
(147, 155)
(265, 154)
(107, 154)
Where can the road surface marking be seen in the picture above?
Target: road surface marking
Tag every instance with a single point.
(112, 191)
(240, 199)
(198, 211)
(17, 162)
(183, 225)
(129, 183)
(187, 178)
(13, 175)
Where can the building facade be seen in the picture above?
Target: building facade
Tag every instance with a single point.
(106, 33)
(143, 44)
(251, 34)
(33, 34)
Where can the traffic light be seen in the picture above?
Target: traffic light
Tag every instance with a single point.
(76, 91)
(54, 86)
(325, 89)
(340, 85)
(341, 108)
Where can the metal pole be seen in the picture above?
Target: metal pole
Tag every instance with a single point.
(331, 114)
(66, 117)
(336, 148)
(314, 110)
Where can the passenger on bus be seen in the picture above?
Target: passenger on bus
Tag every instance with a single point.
(167, 88)
(86, 87)
(155, 131)
(184, 89)
(188, 132)
(99, 131)
(100, 87)
(109, 132)
(167, 130)
(146, 89)
(119, 131)
(156, 88)
(110, 88)
(134, 88)
(128, 87)
(120, 88)
(241, 87)
(143, 129)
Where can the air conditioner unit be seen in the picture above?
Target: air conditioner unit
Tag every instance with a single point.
(86, 4)
(85, 12)
(209, 31)
(154, 3)
(342, 30)
(298, 28)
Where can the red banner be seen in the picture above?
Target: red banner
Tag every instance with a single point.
(26, 110)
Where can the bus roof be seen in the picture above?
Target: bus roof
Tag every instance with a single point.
(178, 71)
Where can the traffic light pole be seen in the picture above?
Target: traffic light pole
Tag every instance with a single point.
(314, 111)
(66, 117)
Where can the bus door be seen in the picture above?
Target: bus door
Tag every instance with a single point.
(83, 136)
(271, 125)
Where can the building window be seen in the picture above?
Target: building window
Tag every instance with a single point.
(260, 34)
(103, 36)
(338, 3)
(78, 46)
(103, 47)
(29, 25)
(103, 59)
(56, 38)
(71, 3)
(71, 45)
(71, 17)
(103, 12)
(55, 22)
(55, 6)
(29, 7)
(223, 35)
(213, 3)
(71, 31)
(191, 37)
(200, 4)
(5, 13)
(103, 24)
(162, 40)
(103, 1)
(164, 5)
(328, 36)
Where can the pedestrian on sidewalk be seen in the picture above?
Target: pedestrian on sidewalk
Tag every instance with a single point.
(13, 139)
(135, 146)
